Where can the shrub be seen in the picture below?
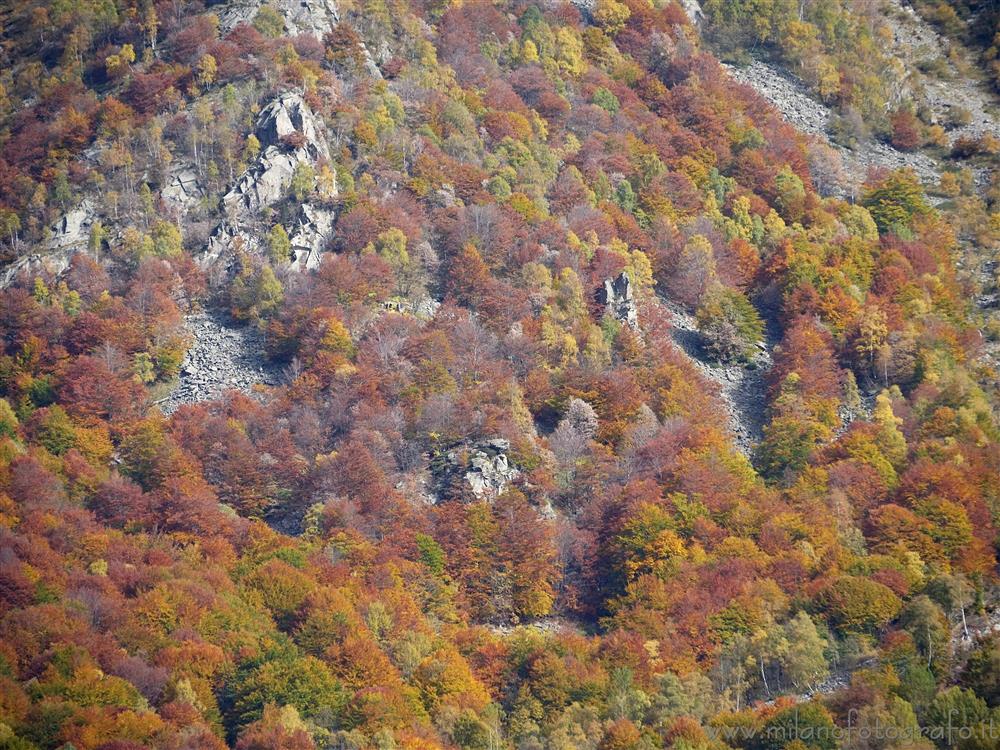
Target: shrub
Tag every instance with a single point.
(729, 324)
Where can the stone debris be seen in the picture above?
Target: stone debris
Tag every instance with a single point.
(793, 100)
(742, 388)
(224, 355)
(914, 42)
(617, 297)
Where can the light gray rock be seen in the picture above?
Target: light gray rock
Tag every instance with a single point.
(485, 468)
(290, 135)
(488, 476)
(183, 190)
(316, 17)
(371, 68)
(693, 10)
(224, 355)
(617, 297)
(288, 114)
(73, 229)
(490, 471)
(266, 182)
(28, 266)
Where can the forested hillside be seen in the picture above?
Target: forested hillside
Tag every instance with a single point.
(380, 374)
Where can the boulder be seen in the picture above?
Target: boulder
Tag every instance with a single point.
(183, 190)
(617, 297)
(289, 114)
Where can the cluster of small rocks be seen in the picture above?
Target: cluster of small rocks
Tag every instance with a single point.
(223, 356)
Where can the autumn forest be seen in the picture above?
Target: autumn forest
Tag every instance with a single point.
(499, 374)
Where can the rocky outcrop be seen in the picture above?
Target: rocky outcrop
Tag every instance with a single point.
(290, 135)
(27, 267)
(693, 10)
(316, 17)
(617, 297)
(67, 236)
(484, 470)
(223, 356)
(490, 471)
(73, 229)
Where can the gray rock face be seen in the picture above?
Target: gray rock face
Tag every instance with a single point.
(315, 17)
(693, 10)
(617, 297)
(423, 306)
(68, 236)
(486, 471)
(73, 229)
(290, 135)
(489, 469)
(223, 356)
(286, 118)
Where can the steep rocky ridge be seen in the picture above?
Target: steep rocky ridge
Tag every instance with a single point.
(290, 135)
